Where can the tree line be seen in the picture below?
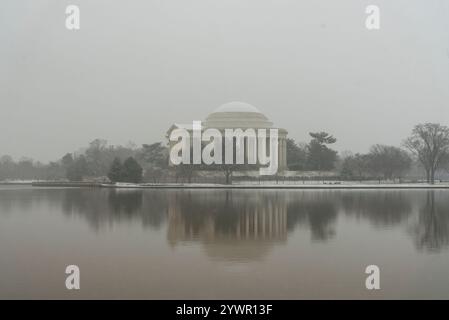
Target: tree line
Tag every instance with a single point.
(427, 147)
(93, 162)
(116, 163)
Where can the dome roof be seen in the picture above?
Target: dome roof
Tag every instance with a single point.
(237, 106)
(237, 115)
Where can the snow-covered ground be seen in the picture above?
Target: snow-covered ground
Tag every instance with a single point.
(273, 185)
(265, 185)
(16, 181)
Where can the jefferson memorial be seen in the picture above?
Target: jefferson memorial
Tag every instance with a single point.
(241, 115)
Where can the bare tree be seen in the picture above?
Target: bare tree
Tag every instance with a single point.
(430, 143)
(389, 161)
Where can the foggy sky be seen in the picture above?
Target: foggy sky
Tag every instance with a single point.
(136, 67)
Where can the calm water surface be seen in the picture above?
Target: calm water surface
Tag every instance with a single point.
(206, 244)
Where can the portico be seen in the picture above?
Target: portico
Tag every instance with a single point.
(240, 115)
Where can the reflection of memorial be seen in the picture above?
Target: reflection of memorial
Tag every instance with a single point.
(246, 224)
(266, 223)
(229, 225)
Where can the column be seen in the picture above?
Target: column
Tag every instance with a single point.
(284, 152)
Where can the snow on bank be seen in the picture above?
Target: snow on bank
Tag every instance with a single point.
(26, 182)
(278, 186)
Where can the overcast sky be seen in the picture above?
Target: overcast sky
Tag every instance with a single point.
(135, 67)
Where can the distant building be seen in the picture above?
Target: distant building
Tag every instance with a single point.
(234, 115)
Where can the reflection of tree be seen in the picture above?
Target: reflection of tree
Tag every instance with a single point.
(318, 211)
(249, 219)
(104, 207)
(381, 207)
(12, 199)
(154, 208)
(125, 202)
(431, 232)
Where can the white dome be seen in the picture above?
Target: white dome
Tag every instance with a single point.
(237, 106)
(237, 115)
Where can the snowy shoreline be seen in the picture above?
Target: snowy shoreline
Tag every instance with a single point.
(279, 186)
(245, 186)
(240, 185)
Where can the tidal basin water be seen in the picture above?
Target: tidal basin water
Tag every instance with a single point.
(226, 244)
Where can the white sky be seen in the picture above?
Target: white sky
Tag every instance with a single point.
(135, 67)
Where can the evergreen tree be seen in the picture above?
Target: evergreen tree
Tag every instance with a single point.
(296, 155)
(320, 156)
(116, 171)
(132, 171)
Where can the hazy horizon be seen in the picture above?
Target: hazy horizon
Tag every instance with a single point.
(135, 68)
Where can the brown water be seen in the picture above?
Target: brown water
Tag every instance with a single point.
(205, 244)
